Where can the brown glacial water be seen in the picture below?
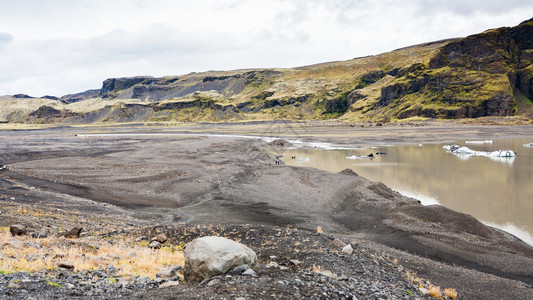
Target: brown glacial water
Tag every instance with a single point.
(497, 191)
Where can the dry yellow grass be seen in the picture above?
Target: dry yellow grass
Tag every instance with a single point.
(30, 255)
(434, 291)
(450, 293)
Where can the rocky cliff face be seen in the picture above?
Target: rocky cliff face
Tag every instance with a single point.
(487, 74)
(477, 76)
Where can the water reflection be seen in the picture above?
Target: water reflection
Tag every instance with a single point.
(497, 190)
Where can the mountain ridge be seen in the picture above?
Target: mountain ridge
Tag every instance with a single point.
(489, 74)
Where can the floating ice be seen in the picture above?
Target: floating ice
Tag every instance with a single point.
(479, 142)
(464, 153)
(371, 156)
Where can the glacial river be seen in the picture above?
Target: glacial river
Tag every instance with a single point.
(497, 191)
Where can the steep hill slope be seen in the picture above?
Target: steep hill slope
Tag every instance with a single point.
(487, 74)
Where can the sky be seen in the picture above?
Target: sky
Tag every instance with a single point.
(58, 47)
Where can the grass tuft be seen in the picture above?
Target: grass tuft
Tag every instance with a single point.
(434, 291)
(450, 293)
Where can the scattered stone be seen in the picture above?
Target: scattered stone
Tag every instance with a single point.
(239, 270)
(32, 245)
(348, 249)
(13, 284)
(155, 245)
(342, 278)
(213, 282)
(327, 273)
(160, 238)
(141, 238)
(272, 264)
(169, 273)
(169, 284)
(17, 229)
(39, 235)
(249, 272)
(295, 262)
(338, 243)
(69, 286)
(208, 256)
(240, 298)
(423, 291)
(65, 265)
(74, 233)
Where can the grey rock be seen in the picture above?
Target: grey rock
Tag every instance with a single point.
(167, 273)
(65, 265)
(69, 286)
(160, 238)
(73, 233)
(272, 264)
(240, 269)
(250, 272)
(347, 249)
(169, 284)
(213, 282)
(295, 262)
(209, 256)
(338, 243)
(39, 235)
(17, 229)
(155, 245)
(14, 284)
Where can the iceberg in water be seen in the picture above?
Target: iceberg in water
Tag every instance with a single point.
(464, 153)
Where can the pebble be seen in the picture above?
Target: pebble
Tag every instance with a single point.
(250, 272)
(169, 284)
(295, 262)
(65, 265)
(348, 249)
(154, 245)
(39, 235)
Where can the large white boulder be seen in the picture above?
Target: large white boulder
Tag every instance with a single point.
(209, 256)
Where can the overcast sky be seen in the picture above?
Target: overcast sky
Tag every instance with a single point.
(56, 47)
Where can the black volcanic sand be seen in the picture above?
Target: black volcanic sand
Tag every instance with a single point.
(231, 180)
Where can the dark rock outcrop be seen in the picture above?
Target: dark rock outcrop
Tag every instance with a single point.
(117, 84)
(472, 77)
(524, 81)
(46, 112)
(22, 96)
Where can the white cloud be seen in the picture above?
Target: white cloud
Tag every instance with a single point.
(62, 46)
